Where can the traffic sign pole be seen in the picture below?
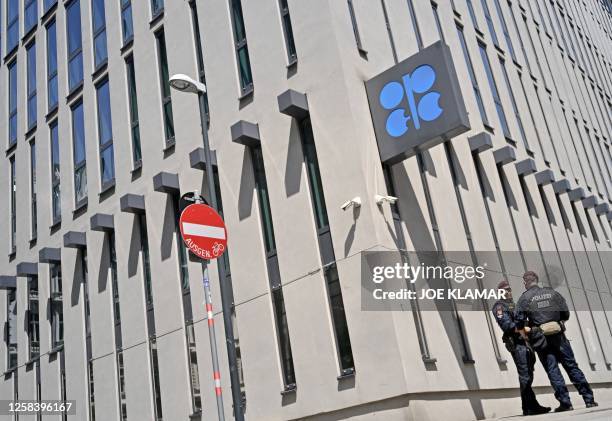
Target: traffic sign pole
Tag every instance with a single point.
(227, 300)
(213, 343)
(211, 333)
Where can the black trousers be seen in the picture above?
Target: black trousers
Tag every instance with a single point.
(559, 350)
(524, 359)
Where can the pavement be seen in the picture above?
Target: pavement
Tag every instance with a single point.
(600, 413)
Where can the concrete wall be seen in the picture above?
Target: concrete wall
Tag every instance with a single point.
(391, 380)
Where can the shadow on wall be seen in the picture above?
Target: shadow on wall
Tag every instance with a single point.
(350, 236)
(168, 229)
(421, 238)
(103, 271)
(77, 279)
(134, 250)
(247, 186)
(295, 159)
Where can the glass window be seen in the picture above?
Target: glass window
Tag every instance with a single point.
(114, 281)
(11, 337)
(104, 113)
(47, 4)
(470, 67)
(194, 376)
(12, 75)
(51, 65)
(165, 87)
(264, 200)
(92, 397)
(284, 341)
(13, 187)
(345, 352)
(80, 167)
(541, 15)
(33, 206)
(127, 24)
(434, 8)
(63, 393)
(85, 274)
(57, 312)
(157, 6)
(288, 31)
(533, 48)
(133, 102)
(31, 84)
(515, 108)
(33, 328)
(314, 175)
(472, 13)
(280, 318)
(156, 382)
(242, 50)
(146, 260)
(30, 15)
(520, 38)
(355, 26)
(493, 86)
(78, 133)
(12, 24)
(105, 134)
(182, 250)
(489, 19)
(122, 395)
(343, 341)
(99, 33)
(502, 19)
(55, 173)
(75, 52)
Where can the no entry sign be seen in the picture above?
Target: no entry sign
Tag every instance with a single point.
(203, 231)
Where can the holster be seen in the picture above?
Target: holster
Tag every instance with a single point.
(509, 342)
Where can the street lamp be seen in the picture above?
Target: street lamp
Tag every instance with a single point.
(184, 83)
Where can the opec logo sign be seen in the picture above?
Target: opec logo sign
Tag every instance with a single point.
(416, 104)
(395, 94)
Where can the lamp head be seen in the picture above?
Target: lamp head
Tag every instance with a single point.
(184, 83)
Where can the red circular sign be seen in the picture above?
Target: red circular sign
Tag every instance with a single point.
(203, 231)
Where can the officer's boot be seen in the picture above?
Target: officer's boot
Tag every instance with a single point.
(564, 407)
(537, 409)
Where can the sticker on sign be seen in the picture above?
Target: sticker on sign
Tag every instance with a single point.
(203, 231)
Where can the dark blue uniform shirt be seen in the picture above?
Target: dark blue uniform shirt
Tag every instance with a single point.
(504, 314)
(540, 305)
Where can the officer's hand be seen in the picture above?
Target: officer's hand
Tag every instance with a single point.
(523, 333)
(527, 329)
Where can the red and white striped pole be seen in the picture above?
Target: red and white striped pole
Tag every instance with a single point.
(211, 334)
(213, 344)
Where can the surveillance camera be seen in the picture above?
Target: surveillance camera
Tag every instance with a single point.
(380, 199)
(355, 202)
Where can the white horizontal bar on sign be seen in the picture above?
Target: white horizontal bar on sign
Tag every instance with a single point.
(204, 231)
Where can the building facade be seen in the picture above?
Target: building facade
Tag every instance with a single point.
(100, 301)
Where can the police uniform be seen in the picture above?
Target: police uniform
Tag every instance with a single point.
(523, 357)
(538, 306)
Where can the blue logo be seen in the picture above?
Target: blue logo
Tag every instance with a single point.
(426, 108)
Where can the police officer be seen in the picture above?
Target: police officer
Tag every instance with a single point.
(542, 313)
(523, 356)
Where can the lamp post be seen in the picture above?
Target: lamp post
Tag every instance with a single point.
(187, 84)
